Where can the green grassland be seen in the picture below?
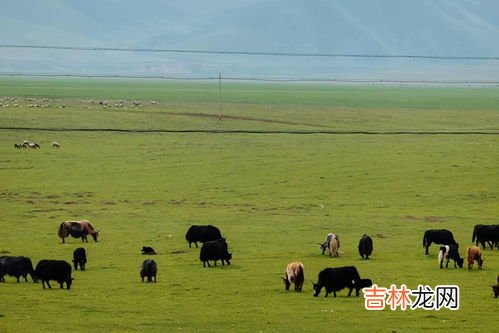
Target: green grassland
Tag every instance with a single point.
(275, 196)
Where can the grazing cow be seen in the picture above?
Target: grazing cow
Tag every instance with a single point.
(294, 274)
(148, 250)
(202, 233)
(335, 279)
(56, 145)
(215, 250)
(33, 145)
(450, 252)
(18, 145)
(365, 246)
(495, 288)
(332, 244)
(438, 236)
(79, 258)
(149, 269)
(486, 234)
(77, 229)
(17, 267)
(58, 270)
(473, 253)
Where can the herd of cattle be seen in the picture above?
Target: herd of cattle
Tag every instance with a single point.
(214, 248)
(33, 145)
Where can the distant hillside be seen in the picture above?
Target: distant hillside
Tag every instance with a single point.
(422, 27)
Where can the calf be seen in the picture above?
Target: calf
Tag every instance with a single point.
(215, 250)
(450, 252)
(17, 267)
(438, 236)
(335, 279)
(58, 270)
(149, 269)
(79, 258)
(202, 233)
(365, 246)
(473, 253)
(148, 250)
(294, 274)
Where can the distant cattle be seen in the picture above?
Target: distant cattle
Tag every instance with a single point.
(215, 250)
(294, 274)
(486, 234)
(16, 267)
(148, 250)
(149, 269)
(495, 288)
(202, 233)
(365, 246)
(473, 254)
(56, 145)
(33, 145)
(332, 244)
(79, 258)
(450, 252)
(438, 236)
(58, 270)
(77, 229)
(336, 279)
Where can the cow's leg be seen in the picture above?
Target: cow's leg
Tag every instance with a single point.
(43, 284)
(61, 284)
(190, 243)
(215, 262)
(447, 263)
(223, 263)
(441, 262)
(196, 243)
(427, 247)
(63, 240)
(48, 284)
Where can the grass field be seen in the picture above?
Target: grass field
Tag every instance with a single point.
(274, 196)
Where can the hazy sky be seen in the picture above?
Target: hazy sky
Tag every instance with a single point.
(384, 27)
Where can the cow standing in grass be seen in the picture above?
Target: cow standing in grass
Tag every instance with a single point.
(332, 244)
(473, 254)
(438, 236)
(58, 270)
(486, 234)
(338, 278)
(79, 258)
(450, 252)
(215, 250)
(294, 274)
(202, 233)
(149, 269)
(365, 246)
(17, 267)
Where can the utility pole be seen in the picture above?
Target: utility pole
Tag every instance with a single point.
(220, 96)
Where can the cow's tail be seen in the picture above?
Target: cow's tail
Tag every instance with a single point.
(60, 232)
(425, 238)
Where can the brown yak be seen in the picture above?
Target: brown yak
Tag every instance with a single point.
(77, 229)
(474, 253)
(294, 274)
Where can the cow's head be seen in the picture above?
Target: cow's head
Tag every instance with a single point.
(69, 282)
(95, 235)
(323, 247)
(480, 262)
(460, 262)
(317, 288)
(286, 283)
